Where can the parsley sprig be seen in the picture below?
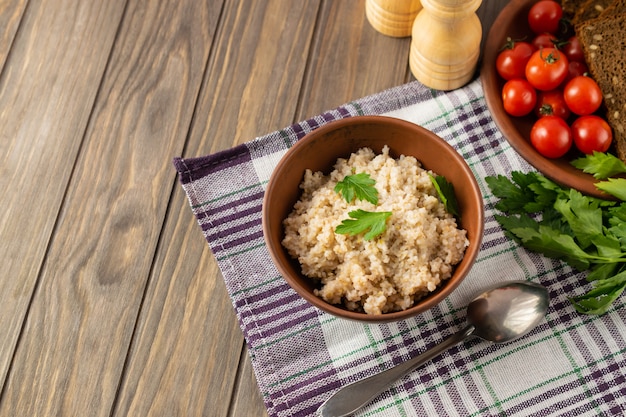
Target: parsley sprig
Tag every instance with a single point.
(603, 166)
(359, 186)
(600, 165)
(445, 190)
(561, 223)
(362, 187)
(374, 223)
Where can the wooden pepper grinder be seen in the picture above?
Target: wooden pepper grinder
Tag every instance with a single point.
(392, 17)
(446, 43)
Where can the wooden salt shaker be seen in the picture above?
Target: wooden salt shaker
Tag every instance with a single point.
(392, 17)
(446, 43)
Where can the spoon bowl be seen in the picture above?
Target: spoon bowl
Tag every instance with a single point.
(500, 314)
(507, 312)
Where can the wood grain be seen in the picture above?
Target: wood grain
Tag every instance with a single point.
(11, 12)
(76, 337)
(44, 111)
(350, 59)
(254, 77)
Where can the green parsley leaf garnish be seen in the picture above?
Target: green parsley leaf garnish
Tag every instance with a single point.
(599, 299)
(375, 223)
(445, 190)
(614, 186)
(561, 223)
(582, 215)
(600, 165)
(524, 193)
(360, 186)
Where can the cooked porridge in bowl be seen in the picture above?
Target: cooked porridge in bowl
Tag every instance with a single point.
(379, 271)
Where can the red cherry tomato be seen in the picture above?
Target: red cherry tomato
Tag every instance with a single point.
(511, 61)
(518, 97)
(545, 40)
(551, 103)
(591, 133)
(574, 69)
(547, 69)
(545, 16)
(573, 50)
(582, 95)
(551, 136)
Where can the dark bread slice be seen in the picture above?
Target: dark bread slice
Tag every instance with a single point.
(618, 6)
(604, 43)
(590, 9)
(570, 7)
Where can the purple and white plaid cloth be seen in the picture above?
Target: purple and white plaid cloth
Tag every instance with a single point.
(571, 365)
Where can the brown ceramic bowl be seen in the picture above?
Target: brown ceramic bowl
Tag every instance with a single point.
(320, 149)
(512, 22)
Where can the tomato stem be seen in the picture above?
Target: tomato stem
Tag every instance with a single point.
(510, 43)
(551, 58)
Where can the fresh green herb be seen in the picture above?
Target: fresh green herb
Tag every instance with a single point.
(359, 186)
(600, 165)
(603, 166)
(526, 193)
(375, 223)
(445, 190)
(614, 186)
(601, 297)
(586, 232)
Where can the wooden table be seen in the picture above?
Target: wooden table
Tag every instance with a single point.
(111, 303)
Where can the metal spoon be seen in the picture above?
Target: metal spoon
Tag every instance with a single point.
(500, 314)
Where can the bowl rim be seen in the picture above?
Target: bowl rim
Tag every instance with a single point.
(430, 300)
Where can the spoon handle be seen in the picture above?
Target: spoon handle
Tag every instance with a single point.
(353, 396)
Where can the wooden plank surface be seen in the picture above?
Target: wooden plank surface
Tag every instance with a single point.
(44, 109)
(254, 77)
(110, 301)
(350, 60)
(71, 353)
(11, 12)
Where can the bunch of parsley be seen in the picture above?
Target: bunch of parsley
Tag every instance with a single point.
(586, 232)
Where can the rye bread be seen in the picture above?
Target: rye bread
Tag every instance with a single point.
(617, 7)
(604, 44)
(590, 9)
(570, 7)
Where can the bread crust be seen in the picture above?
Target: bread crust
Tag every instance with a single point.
(590, 9)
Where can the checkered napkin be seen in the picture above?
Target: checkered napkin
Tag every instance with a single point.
(570, 365)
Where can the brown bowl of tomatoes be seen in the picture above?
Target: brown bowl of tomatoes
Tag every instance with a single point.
(534, 77)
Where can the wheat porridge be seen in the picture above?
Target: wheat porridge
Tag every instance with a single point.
(415, 253)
